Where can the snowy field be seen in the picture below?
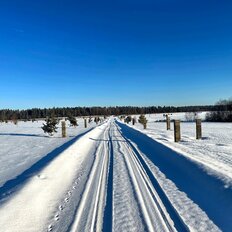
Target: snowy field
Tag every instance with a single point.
(116, 177)
(24, 144)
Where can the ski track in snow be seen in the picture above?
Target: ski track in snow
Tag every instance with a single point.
(126, 213)
(71, 192)
(89, 214)
(145, 200)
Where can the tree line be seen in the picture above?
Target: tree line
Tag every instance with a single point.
(223, 113)
(36, 113)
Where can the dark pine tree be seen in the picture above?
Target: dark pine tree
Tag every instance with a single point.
(73, 121)
(50, 125)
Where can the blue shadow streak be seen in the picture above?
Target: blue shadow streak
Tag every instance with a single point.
(22, 135)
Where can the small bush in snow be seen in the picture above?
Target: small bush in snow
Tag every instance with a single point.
(73, 121)
(143, 121)
(90, 119)
(50, 125)
(191, 116)
(128, 119)
(14, 119)
(224, 114)
(96, 120)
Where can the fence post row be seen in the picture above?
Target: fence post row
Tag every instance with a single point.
(177, 135)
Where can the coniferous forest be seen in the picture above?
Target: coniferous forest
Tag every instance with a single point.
(36, 113)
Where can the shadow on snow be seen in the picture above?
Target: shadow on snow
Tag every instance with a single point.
(18, 134)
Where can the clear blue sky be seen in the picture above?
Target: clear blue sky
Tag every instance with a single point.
(124, 52)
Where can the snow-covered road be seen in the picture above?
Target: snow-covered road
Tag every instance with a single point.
(115, 178)
(135, 204)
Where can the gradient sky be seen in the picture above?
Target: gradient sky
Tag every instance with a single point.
(124, 52)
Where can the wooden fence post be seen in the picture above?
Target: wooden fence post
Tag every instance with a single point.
(177, 135)
(168, 122)
(198, 129)
(145, 125)
(85, 122)
(63, 125)
(133, 121)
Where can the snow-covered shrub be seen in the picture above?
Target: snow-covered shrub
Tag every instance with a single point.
(223, 114)
(143, 120)
(72, 120)
(191, 116)
(128, 119)
(50, 125)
